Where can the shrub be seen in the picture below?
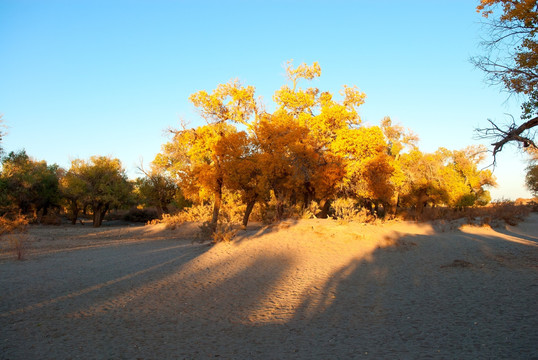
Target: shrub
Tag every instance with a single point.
(171, 221)
(301, 212)
(197, 213)
(344, 209)
(141, 215)
(220, 233)
(16, 226)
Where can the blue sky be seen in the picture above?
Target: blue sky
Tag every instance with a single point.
(81, 78)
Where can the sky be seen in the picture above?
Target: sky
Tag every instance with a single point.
(80, 78)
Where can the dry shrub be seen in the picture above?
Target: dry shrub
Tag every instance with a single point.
(171, 221)
(16, 226)
(198, 213)
(195, 213)
(495, 214)
(345, 210)
(365, 216)
(222, 232)
(18, 245)
(141, 215)
(299, 211)
(13, 224)
(508, 212)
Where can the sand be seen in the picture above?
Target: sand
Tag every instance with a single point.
(308, 289)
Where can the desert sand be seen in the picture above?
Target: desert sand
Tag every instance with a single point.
(307, 289)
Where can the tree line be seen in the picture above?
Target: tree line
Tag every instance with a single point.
(312, 149)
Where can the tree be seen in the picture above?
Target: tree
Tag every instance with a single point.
(242, 170)
(100, 182)
(287, 160)
(156, 189)
(323, 121)
(531, 179)
(445, 177)
(368, 167)
(511, 60)
(30, 186)
(192, 159)
(74, 190)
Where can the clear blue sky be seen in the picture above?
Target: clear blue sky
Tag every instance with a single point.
(81, 78)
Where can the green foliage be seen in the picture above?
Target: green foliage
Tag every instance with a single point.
(158, 190)
(100, 183)
(531, 179)
(141, 215)
(28, 185)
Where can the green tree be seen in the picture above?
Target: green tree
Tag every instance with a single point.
(74, 190)
(531, 180)
(156, 189)
(29, 186)
(101, 183)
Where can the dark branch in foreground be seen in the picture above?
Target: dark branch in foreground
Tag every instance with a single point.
(512, 133)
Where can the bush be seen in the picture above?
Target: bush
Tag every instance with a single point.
(16, 226)
(495, 214)
(344, 209)
(301, 212)
(220, 233)
(141, 215)
(171, 221)
(197, 213)
(13, 224)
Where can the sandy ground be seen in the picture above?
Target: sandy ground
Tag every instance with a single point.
(309, 289)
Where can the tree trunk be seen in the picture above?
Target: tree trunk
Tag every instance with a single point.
(217, 204)
(74, 212)
(99, 214)
(97, 220)
(250, 206)
(279, 206)
(325, 207)
(394, 203)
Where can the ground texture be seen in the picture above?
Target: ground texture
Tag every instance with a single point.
(309, 289)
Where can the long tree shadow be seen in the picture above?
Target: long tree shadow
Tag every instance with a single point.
(448, 298)
(407, 300)
(95, 273)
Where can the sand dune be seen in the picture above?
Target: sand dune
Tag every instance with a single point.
(300, 289)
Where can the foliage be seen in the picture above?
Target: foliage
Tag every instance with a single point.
(158, 190)
(141, 215)
(28, 185)
(310, 152)
(511, 60)
(531, 179)
(10, 223)
(445, 178)
(513, 48)
(15, 226)
(100, 183)
(344, 209)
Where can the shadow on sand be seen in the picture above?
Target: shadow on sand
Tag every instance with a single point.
(408, 300)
